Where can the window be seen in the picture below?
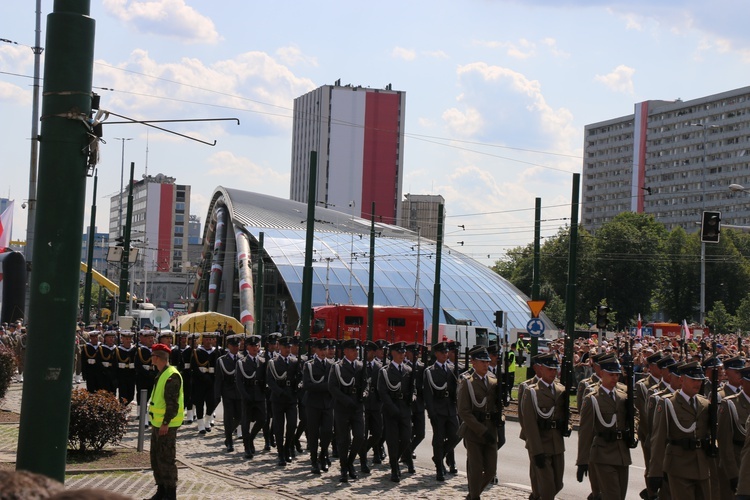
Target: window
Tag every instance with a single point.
(354, 320)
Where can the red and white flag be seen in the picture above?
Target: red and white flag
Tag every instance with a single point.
(6, 226)
(639, 331)
(686, 334)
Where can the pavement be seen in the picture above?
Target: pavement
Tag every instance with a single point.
(209, 472)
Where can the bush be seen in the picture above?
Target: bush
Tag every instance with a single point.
(7, 369)
(96, 420)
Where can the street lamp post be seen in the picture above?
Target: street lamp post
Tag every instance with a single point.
(122, 176)
(703, 208)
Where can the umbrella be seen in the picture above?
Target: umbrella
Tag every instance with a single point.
(205, 321)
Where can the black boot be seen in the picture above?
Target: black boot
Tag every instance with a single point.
(344, 477)
(440, 471)
(170, 493)
(159, 495)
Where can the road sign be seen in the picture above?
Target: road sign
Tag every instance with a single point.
(535, 327)
(536, 307)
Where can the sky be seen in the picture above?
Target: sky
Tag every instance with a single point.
(497, 92)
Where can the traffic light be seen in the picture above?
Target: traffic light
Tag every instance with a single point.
(601, 317)
(499, 319)
(711, 227)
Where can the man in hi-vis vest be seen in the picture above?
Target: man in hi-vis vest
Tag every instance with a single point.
(165, 410)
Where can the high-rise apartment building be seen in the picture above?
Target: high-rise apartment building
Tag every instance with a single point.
(672, 159)
(101, 246)
(358, 134)
(161, 210)
(419, 212)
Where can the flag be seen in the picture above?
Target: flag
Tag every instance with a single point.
(6, 226)
(686, 335)
(639, 332)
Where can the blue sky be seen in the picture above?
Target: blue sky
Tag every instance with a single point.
(498, 92)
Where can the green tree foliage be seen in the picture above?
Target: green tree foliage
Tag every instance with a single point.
(96, 419)
(743, 314)
(678, 294)
(719, 320)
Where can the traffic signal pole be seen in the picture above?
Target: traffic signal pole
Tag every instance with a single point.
(61, 195)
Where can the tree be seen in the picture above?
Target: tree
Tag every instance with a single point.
(719, 320)
(743, 314)
(677, 294)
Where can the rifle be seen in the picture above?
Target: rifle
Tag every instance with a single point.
(566, 378)
(713, 408)
(627, 359)
(503, 384)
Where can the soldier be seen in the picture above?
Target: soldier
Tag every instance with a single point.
(318, 405)
(732, 368)
(395, 387)
(479, 410)
(225, 389)
(543, 426)
(680, 439)
(144, 370)
(373, 409)
(125, 359)
(203, 367)
(418, 408)
(107, 367)
(90, 369)
(585, 385)
(602, 437)
(251, 382)
(440, 385)
(743, 486)
(642, 391)
(733, 414)
(281, 376)
(180, 359)
(379, 452)
(302, 423)
(346, 383)
(718, 481)
(272, 347)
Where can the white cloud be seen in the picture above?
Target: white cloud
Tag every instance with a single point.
(551, 44)
(235, 170)
(436, 54)
(405, 54)
(164, 17)
(13, 94)
(463, 123)
(292, 56)
(618, 80)
(525, 49)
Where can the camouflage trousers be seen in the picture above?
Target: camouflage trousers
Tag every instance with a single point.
(163, 463)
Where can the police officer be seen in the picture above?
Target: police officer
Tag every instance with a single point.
(396, 389)
(680, 441)
(440, 387)
(125, 361)
(733, 414)
(418, 408)
(105, 359)
(318, 406)
(346, 383)
(543, 426)
(373, 408)
(225, 388)
(282, 379)
(479, 410)
(203, 366)
(251, 382)
(602, 443)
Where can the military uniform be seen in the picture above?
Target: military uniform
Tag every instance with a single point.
(225, 388)
(396, 390)
(479, 410)
(271, 344)
(680, 442)
(318, 406)
(643, 390)
(203, 367)
(251, 381)
(90, 369)
(440, 386)
(602, 438)
(733, 413)
(346, 383)
(181, 357)
(144, 371)
(743, 487)
(282, 378)
(418, 424)
(543, 426)
(125, 362)
(373, 409)
(106, 364)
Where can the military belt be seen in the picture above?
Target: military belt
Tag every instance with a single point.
(690, 444)
(396, 394)
(442, 394)
(611, 436)
(551, 424)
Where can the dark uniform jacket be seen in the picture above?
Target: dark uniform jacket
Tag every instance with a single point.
(542, 417)
(418, 374)
(225, 385)
(602, 434)
(315, 383)
(372, 371)
(282, 377)
(396, 388)
(251, 378)
(733, 413)
(346, 384)
(440, 391)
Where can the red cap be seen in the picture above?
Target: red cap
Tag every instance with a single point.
(161, 347)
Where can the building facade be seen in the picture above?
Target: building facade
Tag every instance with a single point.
(419, 213)
(101, 246)
(159, 223)
(358, 134)
(671, 159)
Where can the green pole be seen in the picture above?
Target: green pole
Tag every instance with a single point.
(85, 315)
(259, 288)
(570, 300)
(436, 288)
(536, 266)
(61, 193)
(307, 272)
(125, 263)
(371, 281)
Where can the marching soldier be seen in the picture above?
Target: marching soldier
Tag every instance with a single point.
(251, 382)
(602, 438)
(125, 359)
(203, 366)
(585, 385)
(373, 409)
(717, 479)
(733, 414)
(396, 389)
(318, 404)
(90, 370)
(643, 389)
(680, 441)
(479, 410)
(346, 383)
(440, 387)
(379, 453)
(543, 426)
(270, 352)
(282, 381)
(225, 388)
(743, 486)
(302, 414)
(144, 370)
(181, 357)
(105, 359)
(417, 409)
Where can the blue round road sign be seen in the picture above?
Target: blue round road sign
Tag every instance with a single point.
(535, 327)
